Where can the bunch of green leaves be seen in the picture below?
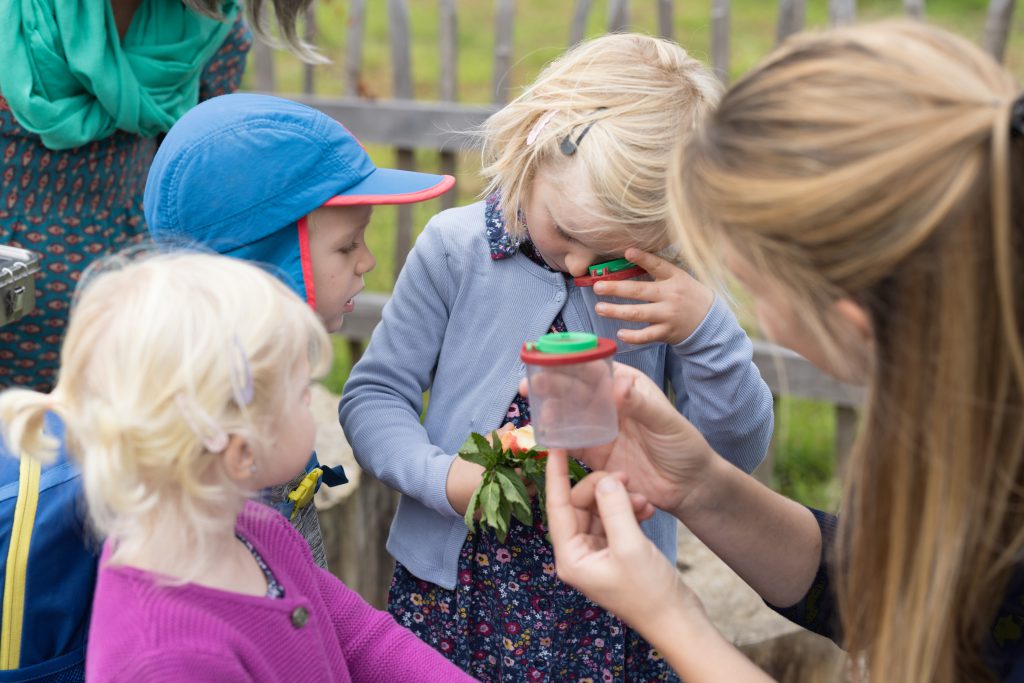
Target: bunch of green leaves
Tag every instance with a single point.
(503, 493)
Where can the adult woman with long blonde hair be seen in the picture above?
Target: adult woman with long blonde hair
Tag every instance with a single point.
(860, 184)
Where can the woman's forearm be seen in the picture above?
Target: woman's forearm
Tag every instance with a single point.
(772, 542)
(695, 649)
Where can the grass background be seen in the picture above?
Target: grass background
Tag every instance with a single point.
(805, 457)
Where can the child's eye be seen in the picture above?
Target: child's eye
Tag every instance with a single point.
(348, 249)
(564, 235)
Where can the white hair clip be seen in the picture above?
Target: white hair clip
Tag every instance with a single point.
(213, 438)
(539, 126)
(241, 380)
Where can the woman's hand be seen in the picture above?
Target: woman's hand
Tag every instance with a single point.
(600, 549)
(664, 456)
(676, 303)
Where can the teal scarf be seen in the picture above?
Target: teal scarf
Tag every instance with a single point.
(68, 78)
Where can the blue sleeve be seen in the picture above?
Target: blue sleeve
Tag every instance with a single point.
(816, 610)
(719, 389)
(383, 398)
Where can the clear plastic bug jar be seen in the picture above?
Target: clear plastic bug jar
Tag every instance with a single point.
(570, 380)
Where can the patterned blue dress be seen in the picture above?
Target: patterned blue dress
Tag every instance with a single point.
(510, 618)
(73, 206)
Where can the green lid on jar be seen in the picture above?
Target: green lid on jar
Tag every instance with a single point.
(566, 342)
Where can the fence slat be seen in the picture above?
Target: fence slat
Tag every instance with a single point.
(401, 65)
(263, 66)
(914, 8)
(847, 421)
(309, 35)
(448, 37)
(842, 12)
(720, 39)
(400, 39)
(354, 47)
(666, 19)
(504, 16)
(405, 123)
(578, 29)
(618, 16)
(997, 27)
(791, 18)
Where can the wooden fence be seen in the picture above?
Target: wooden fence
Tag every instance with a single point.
(408, 124)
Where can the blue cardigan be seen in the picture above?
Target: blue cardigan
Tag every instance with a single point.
(455, 325)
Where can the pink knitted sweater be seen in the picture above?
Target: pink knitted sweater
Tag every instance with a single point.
(320, 631)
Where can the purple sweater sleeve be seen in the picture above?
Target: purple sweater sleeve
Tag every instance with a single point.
(375, 646)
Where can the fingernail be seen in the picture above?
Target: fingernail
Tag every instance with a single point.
(601, 308)
(608, 484)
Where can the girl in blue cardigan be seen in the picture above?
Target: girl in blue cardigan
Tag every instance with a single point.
(577, 167)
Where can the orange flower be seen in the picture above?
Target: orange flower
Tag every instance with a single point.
(519, 441)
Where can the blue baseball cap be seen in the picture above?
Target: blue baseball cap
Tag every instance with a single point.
(239, 173)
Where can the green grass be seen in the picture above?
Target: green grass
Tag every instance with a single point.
(804, 466)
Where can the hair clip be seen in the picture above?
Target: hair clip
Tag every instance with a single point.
(213, 438)
(569, 147)
(539, 126)
(1017, 118)
(241, 380)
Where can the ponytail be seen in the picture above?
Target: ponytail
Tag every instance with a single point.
(23, 419)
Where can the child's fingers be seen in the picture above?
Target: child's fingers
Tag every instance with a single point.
(634, 313)
(641, 290)
(659, 268)
(646, 335)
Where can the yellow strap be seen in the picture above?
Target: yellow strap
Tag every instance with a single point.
(17, 563)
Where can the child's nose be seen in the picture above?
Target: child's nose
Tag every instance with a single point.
(577, 262)
(368, 262)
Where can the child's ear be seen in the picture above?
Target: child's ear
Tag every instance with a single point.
(238, 459)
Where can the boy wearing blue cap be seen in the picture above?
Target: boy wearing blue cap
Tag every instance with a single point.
(273, 181)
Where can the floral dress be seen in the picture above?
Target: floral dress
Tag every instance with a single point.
(72, 206)
(510, 618)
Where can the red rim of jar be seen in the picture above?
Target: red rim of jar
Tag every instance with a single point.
(605, 349)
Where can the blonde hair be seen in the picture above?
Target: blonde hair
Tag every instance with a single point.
(636, 94)
(160, 356)
(875, 163)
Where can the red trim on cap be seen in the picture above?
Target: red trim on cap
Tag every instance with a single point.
(306, 259)
(605, 348)
(409, 198)
(589, 280)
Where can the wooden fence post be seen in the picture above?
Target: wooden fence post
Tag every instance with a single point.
(666, 19)
(504, 14)
(354, 47)
(847, 423)
(578, 28)
(997, 27)
(448, 37)
(309, 35)
(720, 39)
(914, 8)
(618, 16)
(842, 12)
(791, 18)
(401, 66)
(263, 66)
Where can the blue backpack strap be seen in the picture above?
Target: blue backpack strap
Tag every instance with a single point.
(16, 573)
